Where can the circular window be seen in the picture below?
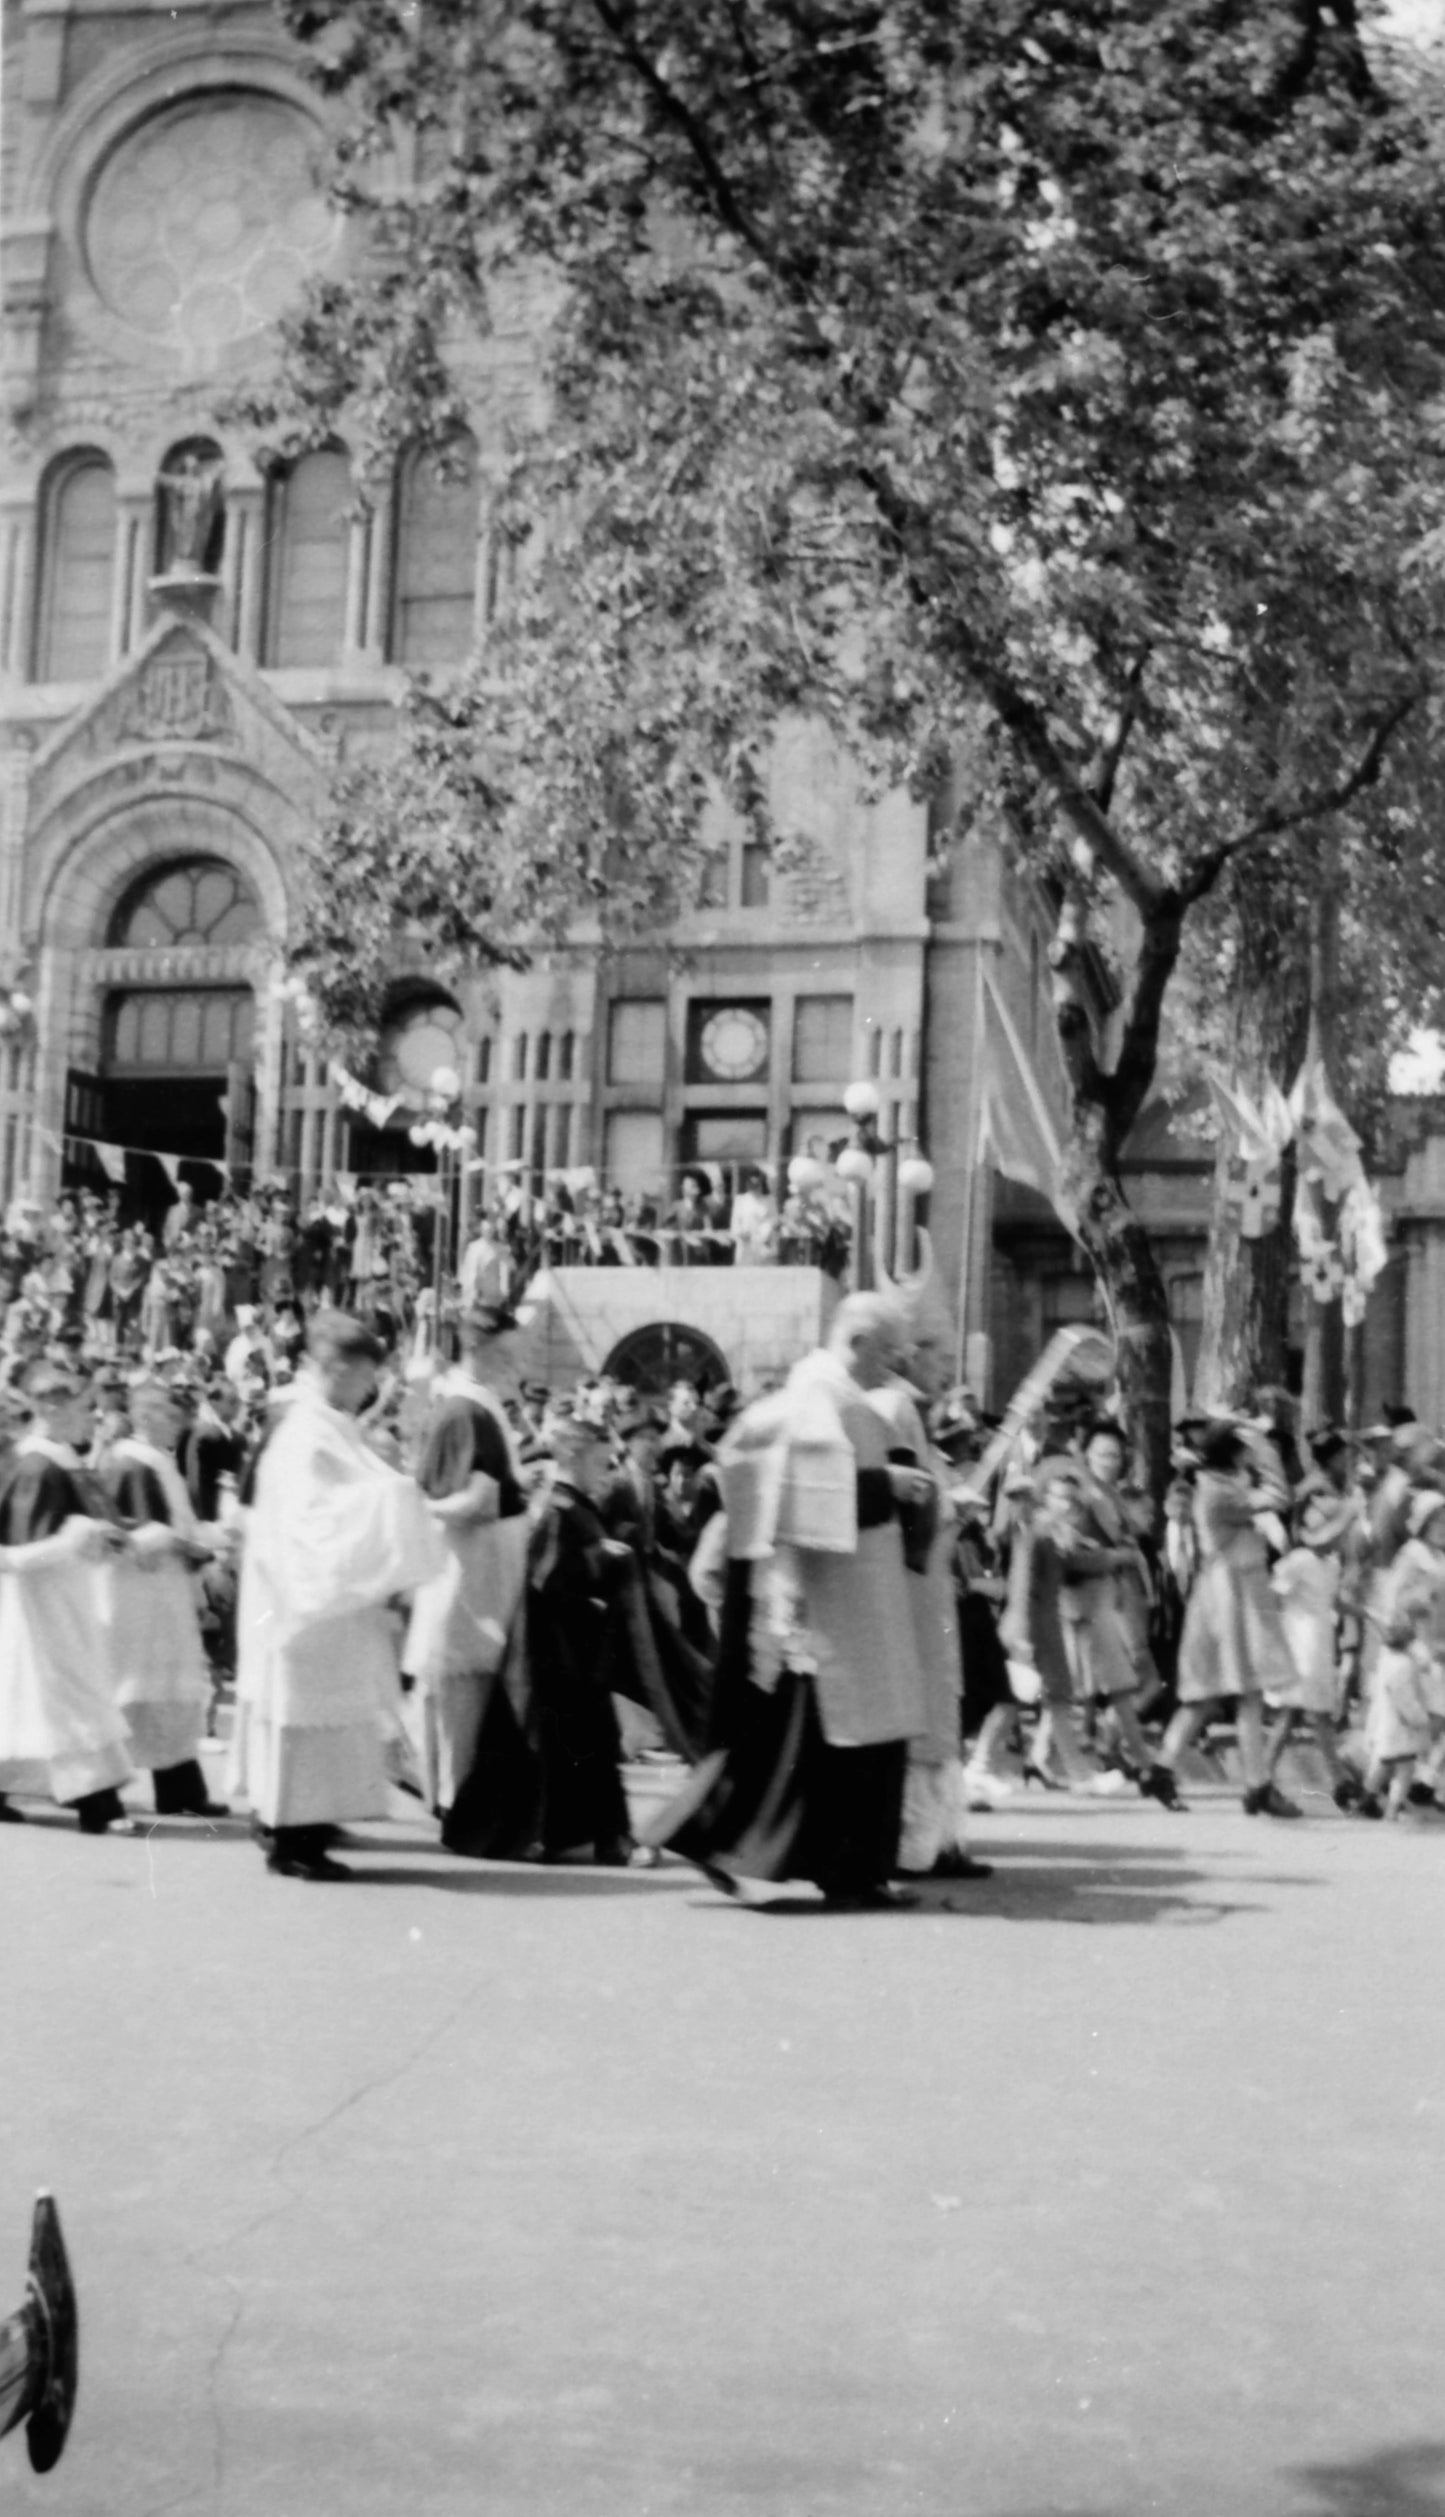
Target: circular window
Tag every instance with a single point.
(417, 1043)
(206, 221)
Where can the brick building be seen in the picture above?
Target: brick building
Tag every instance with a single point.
(187, 643)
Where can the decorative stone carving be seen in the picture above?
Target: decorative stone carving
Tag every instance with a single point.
(177, 697)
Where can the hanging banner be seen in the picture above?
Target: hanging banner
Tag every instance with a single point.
(110, 1157)
(171, 1166)
(1329, 1149)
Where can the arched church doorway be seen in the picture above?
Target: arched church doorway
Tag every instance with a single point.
(176, 1049)
(650, 1359)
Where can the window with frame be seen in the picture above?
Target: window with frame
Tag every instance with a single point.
(736, 875)
(637, 1041)
(178, 1031)
(823, 1040)
(199, 900)
(438, 507)
(77, 577)
(309, 540)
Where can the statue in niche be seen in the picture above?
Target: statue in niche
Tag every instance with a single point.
(191, 491)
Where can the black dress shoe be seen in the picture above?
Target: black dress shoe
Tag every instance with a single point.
(10, 1816)
(1159, 1784)
(306, 1866)
(957, 1865)
(615, 1852)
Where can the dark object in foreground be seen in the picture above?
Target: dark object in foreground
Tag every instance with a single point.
(39, 2346)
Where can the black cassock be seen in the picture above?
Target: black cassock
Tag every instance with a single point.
(547, 1774)
(770, 1799)
(663, 1653)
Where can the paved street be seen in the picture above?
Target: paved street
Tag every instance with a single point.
(1114, 2185)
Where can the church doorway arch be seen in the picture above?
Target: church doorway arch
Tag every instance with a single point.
(172, 1083)
(650, 1359)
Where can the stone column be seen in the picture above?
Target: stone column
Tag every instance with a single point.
(53, 1005)
(243, 570)
(134, 527)
(17, 573)
(376, 633)
(358, 570)
(270, 1047)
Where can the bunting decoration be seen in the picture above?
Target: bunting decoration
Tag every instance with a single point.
(1261, 1130)
(1339, 1225)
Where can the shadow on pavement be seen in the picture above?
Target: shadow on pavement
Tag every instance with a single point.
(1397, 2482)
(502, 1879)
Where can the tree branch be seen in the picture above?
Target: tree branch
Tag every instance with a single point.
(1133, 1077)
(1103, 788)
(1022, 718)
(1325, 800)
(724, 199)
(1025, 723)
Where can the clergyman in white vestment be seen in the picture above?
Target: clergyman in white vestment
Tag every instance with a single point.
(334, 1533)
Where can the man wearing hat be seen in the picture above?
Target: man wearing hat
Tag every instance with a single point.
(61, 1733)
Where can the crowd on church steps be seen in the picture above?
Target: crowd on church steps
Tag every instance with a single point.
(851, 1613)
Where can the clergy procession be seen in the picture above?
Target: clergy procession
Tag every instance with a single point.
(807, 1638)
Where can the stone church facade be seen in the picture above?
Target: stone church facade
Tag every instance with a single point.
(190, 641)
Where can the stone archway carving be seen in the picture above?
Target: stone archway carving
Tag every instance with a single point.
(78, 889)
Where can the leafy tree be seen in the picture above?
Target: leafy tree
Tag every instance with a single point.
(912, 363)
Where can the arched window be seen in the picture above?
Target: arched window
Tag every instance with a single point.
(437, 506)
(421, 1035)
(196, 900)
(309, 536)
(77, 573)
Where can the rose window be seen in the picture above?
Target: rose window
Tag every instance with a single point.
(206, 222)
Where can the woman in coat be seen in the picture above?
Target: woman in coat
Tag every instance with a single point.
(1233, 1645)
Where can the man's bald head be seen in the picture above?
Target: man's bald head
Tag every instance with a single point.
(868, 1338)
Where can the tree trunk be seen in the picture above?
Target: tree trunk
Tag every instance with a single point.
(1247, 1283)
(1135, 1299)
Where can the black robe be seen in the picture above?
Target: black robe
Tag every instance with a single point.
(771, 1799)
(546, 1777)
(664, 1650)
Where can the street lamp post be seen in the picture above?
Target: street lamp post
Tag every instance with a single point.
(442, 1131)
(859, 1164)
(17, 1036)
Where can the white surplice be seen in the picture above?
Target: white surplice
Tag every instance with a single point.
(162, 1682)
(333, 1534)
(61, 1733)
(460, 1622)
